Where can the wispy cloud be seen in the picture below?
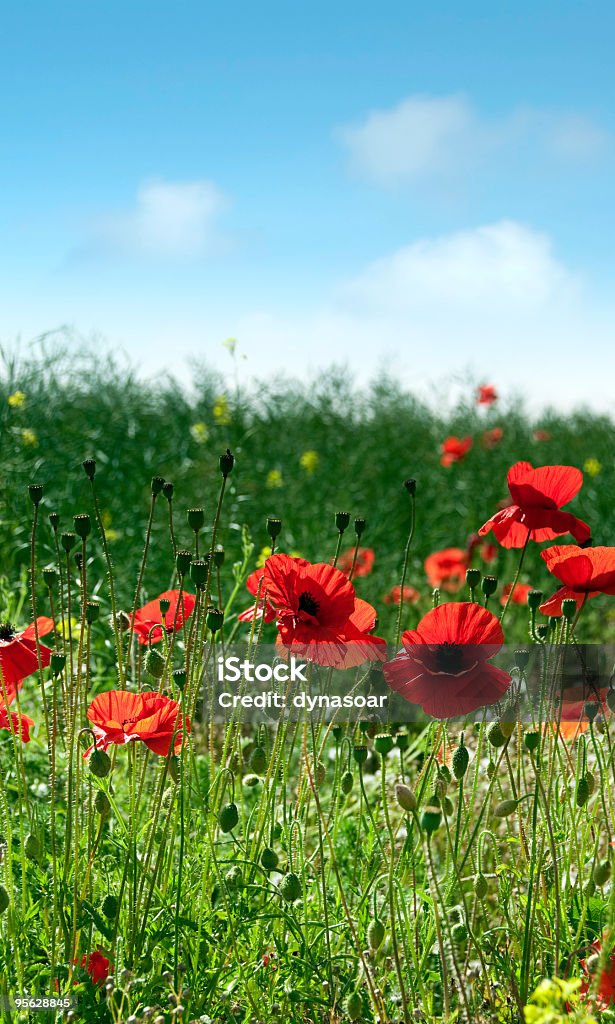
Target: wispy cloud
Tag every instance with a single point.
(439, 135)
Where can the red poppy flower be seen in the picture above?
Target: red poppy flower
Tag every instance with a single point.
(19, 724)
(411, 595)
(363, 565)
(444, 663)
(486, 395)
(264, 607)
(18, 653)
(120, 716)
(541, 435)
(519, 594)
(585, 572)
(538, 495)
(492, 437)
(454, 449)
(97, 966)
(317, 613)
(447, 568)
(149, 617)
(488, 553)
(602, 993)
(571, 717)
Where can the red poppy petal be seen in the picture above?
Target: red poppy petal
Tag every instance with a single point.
(463, 622)
(546, 487)
(44, 625)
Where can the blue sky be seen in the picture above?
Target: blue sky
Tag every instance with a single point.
(426, 187)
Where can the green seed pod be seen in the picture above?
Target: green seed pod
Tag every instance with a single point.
(182, 562)
(83, 525)
(406, 798)
(89, 468)
(347, 782)
(219, 556)
(402, 741)
(215, 619)
(489, 585)
(196, 518)
(154, 664)
(481, 886)
(521, 659)
(274, 527)
(50, 576)
(461, 760)
(157, 485)
(534, 599)
(602, 872)
(227, 461)
(459, 933)
(99, 763)
(532, 740)
(109, 906)
(4, 899)
(57, 662)
(359, 526)
(342, 521)
(199, 573)
(582, 792)
(383, 744)
(375, 934)
(610, 699)
(290, 887)
(269, 859)
(569, 608)
(258, 760)
(92, 612)
(68, 541)
(32, 847)
(36, 493)
(168, 489)
(354, 1005)
(472, 578)
(234, 877)
(101, 803)
(228, 817)
(495, 735)
(360, 753)
(505, 808)
(430, 819)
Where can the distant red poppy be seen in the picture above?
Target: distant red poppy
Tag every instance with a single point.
(150, 618)
(19, 724)
(486, 395)
(488, 553)
(541, 435)
(447, 568)
(318, 614)
(121, 716)
(96, 965)
(454, 449)
(585, 572)
(603, 992)
(538, 495)
(364, 563)
(18, 654)
(492, 437)
(519, 594)
(411, 595)
(571, 718)
(444, 663)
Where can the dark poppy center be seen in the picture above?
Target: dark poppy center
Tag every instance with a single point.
(307, 603)
(449, 657)
(7, 632)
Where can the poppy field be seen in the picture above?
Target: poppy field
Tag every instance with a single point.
(448, 862)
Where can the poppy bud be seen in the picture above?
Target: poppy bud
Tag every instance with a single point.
(320, 774)
(99, 763)
(274, 527)
(405, 798)
(219, 557)
(489, 585)
(491, 769)
(402, 741)
(505, 808)
(168, 490)
(89, 468)
(234, 877)
(182, 562)
(109, 905)
(227, 461)
(196, 518)
(290, 887)
(459, 933)
(360, 754)
(354, 1005)
(68, 541)
(165, 604)
(602, 872)
(532, 740)
(228, 817)
(481, 886)
(122, 621)
(359, 526)
(410, 485)
(83, 526)
(383, 744)
(534, 598)
(57, 662)
(521, 659)
(461, 760)
(92, 611)
(4, 899)
(375, 934)
(444, 774)
(269, 859)
(157, 485)
(215, 619)
(199, 572)
(173, 767)
(54, 520)
(610, 699)
(338, 732)
(36, 493)
(430, 819)
(258, 760)
(342, 519)
(347, 782)
(495, 736)
(32, 847)
(569, 608)
(179, 678)
(50, 575)
(447, 806)
(154, 664)
(472, 578)
(582, 792)
(101, 803)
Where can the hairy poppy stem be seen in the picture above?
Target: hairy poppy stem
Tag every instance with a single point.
(405, 568)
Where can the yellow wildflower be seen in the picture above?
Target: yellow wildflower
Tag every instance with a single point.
(199, 432)
(221, 411)
(16, 400)
(74, 626)
(309, 461)
(592, 467)
(263, 556)
(274, 479)
(29, 438)
(230, 344)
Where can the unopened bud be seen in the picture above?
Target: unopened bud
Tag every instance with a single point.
(405, 798)
(227, 461)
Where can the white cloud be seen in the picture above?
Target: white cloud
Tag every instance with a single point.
(443, 135)
(175, 220)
